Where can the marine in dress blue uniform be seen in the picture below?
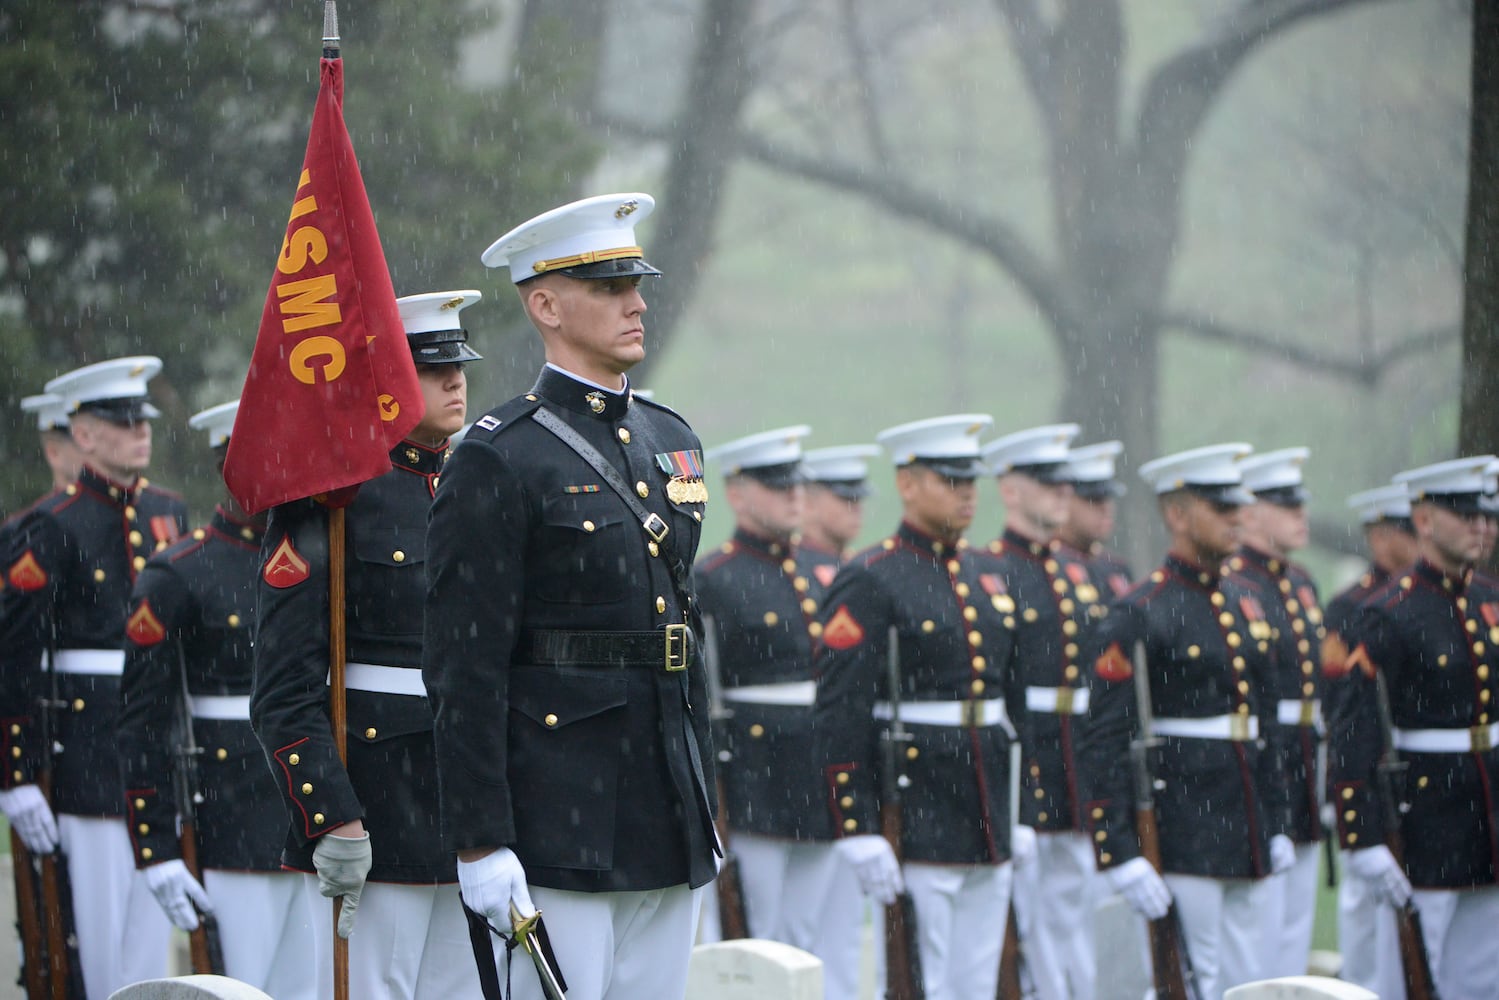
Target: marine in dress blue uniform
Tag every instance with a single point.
(837, 484)
(188, 661)
(71, 562)
(1090, 513)
(1274, 526)
(1389, 535)
(380, 808)
(571, 711)
(1431, 633)
(1054, 599)
(1220, 803)
(954, 627)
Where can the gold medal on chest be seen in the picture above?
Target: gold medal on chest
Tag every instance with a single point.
(681, 489)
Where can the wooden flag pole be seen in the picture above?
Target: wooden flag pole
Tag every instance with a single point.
(338, 710)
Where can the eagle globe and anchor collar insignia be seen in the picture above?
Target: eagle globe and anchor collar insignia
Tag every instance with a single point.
(686, 471)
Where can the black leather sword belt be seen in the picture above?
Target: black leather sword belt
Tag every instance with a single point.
(671, 649)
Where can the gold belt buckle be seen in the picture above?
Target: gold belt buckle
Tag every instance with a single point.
(1308, 713)
(1482, 740)
(1064, 700)
(676, 647)
(971, 713)
(1238, 728)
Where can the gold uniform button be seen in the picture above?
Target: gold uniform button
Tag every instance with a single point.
(1470, 625)
(975, 638)
(140, 803)
(139, 562)
(970, 614)
(1349, 815)
(800, 585)
(1303, 646)
(143, 829)
(814, 629)
(1069, 627)
(1235, 640)
(1100, 836)
(953, 566)
(15, 752)
(370, 733)
(1194, 651)
(1039, 793)
(1442, 660)
(977, 687)
(1292, 605)
(294, 759)
(589, 526)
(788, 566)
(222, 753)
(642, 490)
(1065, 605)
(847, 802)
(756, 731)
(234, 621)
(928, 626)
(1485, 695)
(1478, 648)
(1243, 687)
(1050, 566)
(771, 618)
(1030, 614)
(912, 753)
(1003, 603)
(978, 662)
(1070, 650)
(98, 576)
(1071, 672)
(1243, 709)
(1226, 619)
(1059, 586)
(318, 818)
(850, 825)
(1105, 857)
(1298, 626)
(130, 513)
(809, 606)
(624, 435)
(962, 590)
(249, 533)
(78, 704)
(1421, 782)
(136, 538)
(697, 515)
(842, 778)
(1308, 667)
(147, 854)
(15, 729)
(654, 549)
(1217, 599)
(1352, 839)
(1483, 675)
(398, 556)
(660, 605)
(1308, 689)
(307, 788)
(550, 720)
(1347, 794)
(1097, 813)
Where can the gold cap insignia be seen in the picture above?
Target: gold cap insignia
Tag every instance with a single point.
(453, 303)
(628, 208)
(413, 456)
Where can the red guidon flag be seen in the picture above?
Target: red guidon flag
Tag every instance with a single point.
(331, 387)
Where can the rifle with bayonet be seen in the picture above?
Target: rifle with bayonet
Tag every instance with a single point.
(902, 958)
(732, 922)
(1171, 965)
(204, 946)
(1419, 984)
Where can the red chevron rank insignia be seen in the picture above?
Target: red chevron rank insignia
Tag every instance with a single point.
(1113, 665)
(286, 567)
(143, 627)
(27, 574)
(842, 631)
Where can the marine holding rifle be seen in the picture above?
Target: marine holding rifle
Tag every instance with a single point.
(188, 663)
(1414, 779)
(941, 690)
(1220, 797)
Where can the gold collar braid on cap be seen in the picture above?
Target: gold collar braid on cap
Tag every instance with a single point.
(588, 257)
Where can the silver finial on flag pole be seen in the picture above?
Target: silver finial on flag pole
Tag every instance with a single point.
(330, 29)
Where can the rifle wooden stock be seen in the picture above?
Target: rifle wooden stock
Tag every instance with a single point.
(204, 947)
(732, 922)
(1415, 965)
(1009, 959)
(902, 959)
(29, 921)
(1169, 961)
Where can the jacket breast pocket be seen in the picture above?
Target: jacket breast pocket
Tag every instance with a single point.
(581, 555)
(387, 579)
(567, 737)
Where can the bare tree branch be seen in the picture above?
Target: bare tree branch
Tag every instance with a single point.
(869, 85)
(1365, 372)
(1033, 42)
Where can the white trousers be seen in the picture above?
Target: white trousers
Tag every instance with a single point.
(123, 935)
(1459, 927)
(265, 930)
(410, 942)
(1224, 927)
(1359, 915)
(960, 913)
(1054, 903)
(805, 895)
(611, 945)
(1288, 916)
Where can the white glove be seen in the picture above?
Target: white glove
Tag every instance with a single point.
(874, 863)
(1023, 847)
(1282, 854)
(1142, 888)
(343, 863)
(30, 816)
(1378, 867)
(490, 884)
(177, 892)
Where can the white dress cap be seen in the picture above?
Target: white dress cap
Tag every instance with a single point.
(948, 444)
(118, 384)
(1275, 476)
(1382, 503)
(218, 421)
(1090, 469)
(1212, 471)
(1459, 484)
(433, 328)
(842, 469)
(591, 238)
(774, 457)
(51, 412)
(1039, 451)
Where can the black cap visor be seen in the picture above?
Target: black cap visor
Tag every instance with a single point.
(620, 267)
(1229, 494)
(1460, 503)
(122, 412)
(848, 489)
(777, 477)
(441, 347)
(1284, 496)
(1098, 489)
(1045, 473)
(957, 467)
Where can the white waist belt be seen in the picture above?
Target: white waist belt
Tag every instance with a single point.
(220, 706)
(802, 693)
(1062, 700)
(1217, 727)
(109, 662)
(1296, 712)
(1475, 739)
(384, 680)
(989, 712)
